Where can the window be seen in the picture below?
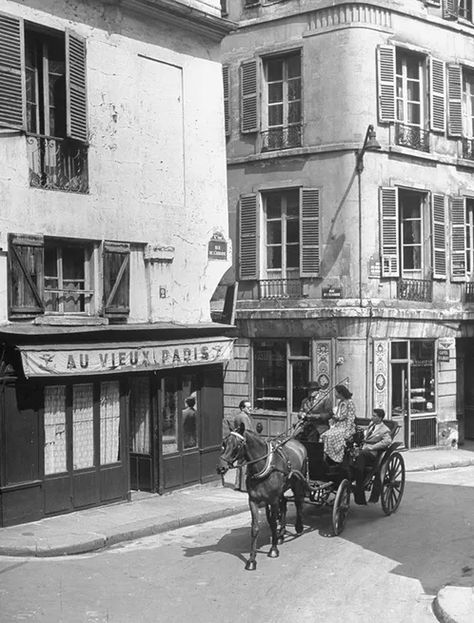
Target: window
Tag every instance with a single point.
(109, 422)
(288, 247)
(411, 232)
(57, 277)
(83, 426)
(140, 415)
(470, 237)
(282, 97)
(54, 429)
(49, 105)
(410, 106)
(465, 9)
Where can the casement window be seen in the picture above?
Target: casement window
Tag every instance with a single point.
(468, 103)
(410, 88)
(56, 276)
(279, 234)
(277, 79)
(408, 219)
(465, 9)
(43, 93)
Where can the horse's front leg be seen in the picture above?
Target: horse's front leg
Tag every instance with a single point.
(272, 516)
(298, 491)
(251, 562)
(282, 530)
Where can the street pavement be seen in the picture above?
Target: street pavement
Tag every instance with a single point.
(149, 514)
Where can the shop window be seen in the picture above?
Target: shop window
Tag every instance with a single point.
(82, 426)
(190, 413)
(109, 422)
(413, 377)
(54, 429)
(140, 415)
(170, 416)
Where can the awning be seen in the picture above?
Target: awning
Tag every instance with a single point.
(118, 357)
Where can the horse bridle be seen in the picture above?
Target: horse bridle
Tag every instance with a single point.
(268, 467)
(240, 447)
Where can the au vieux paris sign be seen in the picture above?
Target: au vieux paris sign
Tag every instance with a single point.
(94, 359)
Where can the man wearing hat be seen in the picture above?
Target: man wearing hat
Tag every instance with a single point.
(315, 411)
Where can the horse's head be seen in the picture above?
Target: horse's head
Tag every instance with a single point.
(233, 448)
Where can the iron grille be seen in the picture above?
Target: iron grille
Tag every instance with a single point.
(57, 163)
(423, 432)
(279, 289)
(468, 148)
(281, 138)
(469, 293)
(415, 289)
(412, 137)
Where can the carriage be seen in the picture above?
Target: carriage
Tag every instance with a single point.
(330, 486)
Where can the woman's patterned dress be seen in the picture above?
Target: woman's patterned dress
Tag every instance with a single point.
(342, 427)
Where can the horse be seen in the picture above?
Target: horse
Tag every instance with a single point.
(271, 470)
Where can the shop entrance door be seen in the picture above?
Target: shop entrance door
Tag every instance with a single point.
(400, 400)
(141, 449)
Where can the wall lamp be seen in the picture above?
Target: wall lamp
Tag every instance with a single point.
(370, 144)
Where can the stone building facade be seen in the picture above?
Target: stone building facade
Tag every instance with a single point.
(351, 197)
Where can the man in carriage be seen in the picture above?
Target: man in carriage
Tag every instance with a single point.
(315, 411)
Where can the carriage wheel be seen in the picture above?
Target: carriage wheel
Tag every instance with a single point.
(341, 506)
(393, 483)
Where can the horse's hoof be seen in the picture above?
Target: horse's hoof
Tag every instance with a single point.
(273, 553)
(299, 529)
(251, 565)
(280, 540)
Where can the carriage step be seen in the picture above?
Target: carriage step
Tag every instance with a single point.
(320, 484)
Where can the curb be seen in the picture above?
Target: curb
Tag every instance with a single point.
(454, 604)
(102, 541)
(434, 467)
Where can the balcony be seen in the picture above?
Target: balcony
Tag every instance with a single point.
(281, 138)
(57, 163)
(468, 148)
(415, 290)
(469, 293)
(280, 289)
(412, 137)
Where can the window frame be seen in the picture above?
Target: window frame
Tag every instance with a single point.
(285, 81)
(469, 219)
(404, 55)
(416, 272)
(283, 272)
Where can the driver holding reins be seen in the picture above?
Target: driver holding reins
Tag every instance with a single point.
(315, 411)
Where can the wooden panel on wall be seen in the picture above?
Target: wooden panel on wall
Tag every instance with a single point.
(322, 363)
(21, 505)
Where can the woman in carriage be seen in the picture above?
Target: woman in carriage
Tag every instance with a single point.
(342, 425)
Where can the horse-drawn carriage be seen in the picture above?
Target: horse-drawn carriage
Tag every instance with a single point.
(277, 466)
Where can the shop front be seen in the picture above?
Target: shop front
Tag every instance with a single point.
(85, 421)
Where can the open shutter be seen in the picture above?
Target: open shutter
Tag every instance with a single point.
(309, 232)
(12, 73)
(386, 83)
(225, 80)
(438, 215)
(458, 238)
(249, 97)
(76, 92)
(248, 237)
(437, 95)
(389, 227)
(116, 257)
(450, 9)
(25, 259)
(454, 100)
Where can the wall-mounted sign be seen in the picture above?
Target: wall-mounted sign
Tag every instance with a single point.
(443, 354)
(332, 292)
(375, 269)
(217, 249)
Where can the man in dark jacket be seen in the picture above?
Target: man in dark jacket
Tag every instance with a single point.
(315, 411)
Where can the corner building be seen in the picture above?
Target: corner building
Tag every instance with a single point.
(354, 245)
(113, 194)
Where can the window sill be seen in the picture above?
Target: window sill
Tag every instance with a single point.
(415, 153)
(70, 320)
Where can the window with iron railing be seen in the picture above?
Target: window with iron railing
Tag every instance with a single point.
(410, 114)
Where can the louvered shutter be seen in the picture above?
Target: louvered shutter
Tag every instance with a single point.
(249, 97)
(450, 9)
(454, 100)
(437, 95)
(116, 270)
(248, 237)
(386, 83)
(76, 88)
(309, 232)
(458, 239)
(12, 73)
(26, 282)
(438, 216)
(225, 80)
(389, 232)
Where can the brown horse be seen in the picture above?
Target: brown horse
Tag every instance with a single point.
(270, 472)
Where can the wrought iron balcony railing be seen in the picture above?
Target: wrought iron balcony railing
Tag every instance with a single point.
(280, 289)
(412, 136)
(468, 148)
(281, 138)
(57, 163)
(469, 292)
(415, 289)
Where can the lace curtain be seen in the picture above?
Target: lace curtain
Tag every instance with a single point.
(140, 415)
(54, 429)
(109, 422)
(83, 426)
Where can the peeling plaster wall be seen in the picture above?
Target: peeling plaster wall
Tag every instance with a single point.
(157, 169)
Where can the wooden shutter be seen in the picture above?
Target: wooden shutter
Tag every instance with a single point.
(454, 100)
(12, 73)
(248, 237)
(438, 215)
(389, 228)
(450, 9)
(76, 90)
(116, 258)
(225, 80)
(386, 83)
(458, 238)
(309, 232)
(25, 263)
(249, 97)
(437, 95)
